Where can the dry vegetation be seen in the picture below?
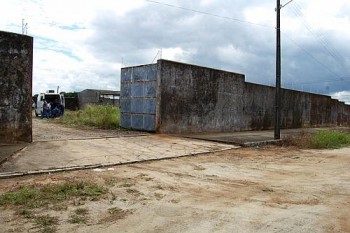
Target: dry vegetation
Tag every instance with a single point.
(323, 139)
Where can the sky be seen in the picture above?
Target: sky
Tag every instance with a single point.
(83, 44)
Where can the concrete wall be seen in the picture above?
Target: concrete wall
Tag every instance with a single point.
(87, 97)
(195, 98)
(16, 61)
(139, 97)
(198, 99)
(97, 97)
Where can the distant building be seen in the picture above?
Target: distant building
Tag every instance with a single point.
(98, 97)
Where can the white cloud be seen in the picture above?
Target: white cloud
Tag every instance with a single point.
(342, 96)
(60, 30)
(81, 44)
(263, 14)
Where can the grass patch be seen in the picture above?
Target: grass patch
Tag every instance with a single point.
(111, 182)
(114, 214)
(99, 116)
(81, 211)
(35, 197)
(159, 196)
(126, 185)
(25, 213)
(46, 223)
(321, 140)
(158, 187)
(330, 140)
(22, 196)
(77, 219)
(114, 210)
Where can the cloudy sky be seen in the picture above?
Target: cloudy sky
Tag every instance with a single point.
(83, 44)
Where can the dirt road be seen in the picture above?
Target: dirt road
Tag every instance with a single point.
(242, 190)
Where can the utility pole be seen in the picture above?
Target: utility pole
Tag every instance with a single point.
(278, 70)
(278, 73)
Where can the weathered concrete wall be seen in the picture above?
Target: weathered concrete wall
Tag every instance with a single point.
(87, 97)
(195, 98)
(97, 97)
(139, 97)
(16, 61)
(199, 99)
(258, 107)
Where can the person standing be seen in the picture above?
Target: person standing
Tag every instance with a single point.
(45, 110)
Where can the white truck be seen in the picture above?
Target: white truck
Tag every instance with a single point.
(49, 96)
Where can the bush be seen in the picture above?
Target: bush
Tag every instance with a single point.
(330, 140)
(321, 140)
(301, 140)
(99, 116)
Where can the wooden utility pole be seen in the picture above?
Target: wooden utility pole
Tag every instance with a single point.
(278, 73)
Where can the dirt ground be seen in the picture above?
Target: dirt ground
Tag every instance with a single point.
(48, 130)
(242, 190)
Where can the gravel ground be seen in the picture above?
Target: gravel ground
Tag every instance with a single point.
(242, 190)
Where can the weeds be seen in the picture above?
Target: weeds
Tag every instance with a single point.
(77, 219)
(81, 211)
(36, 197)
(25, 213)
(159, 196)
(100, 116)
(175, 201)
(111, 182)
(301, 140)
(114, 210)
(79, 216)
(321, 140)
(158, 187)
(126, 185)
(46, 223)
(330, 140)
(115, 214)
(22, 196)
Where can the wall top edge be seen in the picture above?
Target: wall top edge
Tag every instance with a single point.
(15, 34)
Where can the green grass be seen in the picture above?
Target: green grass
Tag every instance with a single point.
(46, 223)
(330, 140)
(25, 213)
(81, 211)
(77, 219)
(36, 197)
(114, 210)
(98, 116)
(323, 139)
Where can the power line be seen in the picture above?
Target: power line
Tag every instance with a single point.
(209, 14)
(297, 11)
(313, 57)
